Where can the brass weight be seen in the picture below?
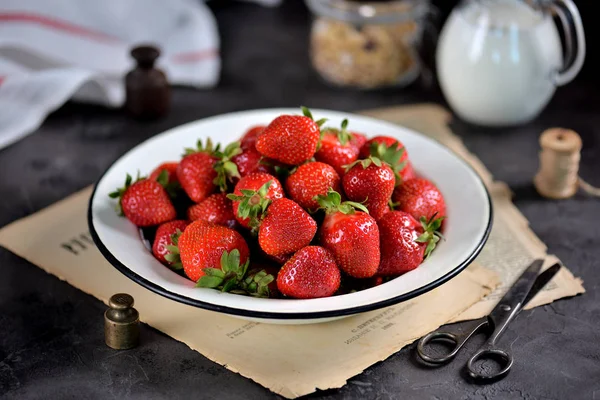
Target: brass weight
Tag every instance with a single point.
(121, 323)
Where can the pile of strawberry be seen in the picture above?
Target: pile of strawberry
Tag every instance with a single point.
(322, 211)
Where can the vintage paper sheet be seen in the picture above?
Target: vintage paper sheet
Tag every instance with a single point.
(292, 360)
(512, 244)
(297, 360)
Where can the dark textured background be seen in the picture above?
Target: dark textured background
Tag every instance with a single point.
(51, 337)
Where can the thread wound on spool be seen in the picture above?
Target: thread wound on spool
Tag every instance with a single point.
(557, 177)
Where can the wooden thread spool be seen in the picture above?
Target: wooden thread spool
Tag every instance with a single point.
(557, 177)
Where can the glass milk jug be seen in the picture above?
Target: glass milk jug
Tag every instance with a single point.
(499, 61)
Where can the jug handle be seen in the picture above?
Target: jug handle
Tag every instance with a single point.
(573, 64)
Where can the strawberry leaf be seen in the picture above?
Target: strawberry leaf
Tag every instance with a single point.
(253, 204)
(390, 155)
(209, 282)
(356, 205)
(229, 285)
(118, 194)
(430, 234)
(173, 257)
(226, 169)
(321, 122)
(306, 112)
(163, 178)
(332, 202)
(234, 278)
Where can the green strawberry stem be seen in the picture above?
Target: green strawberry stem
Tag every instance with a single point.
(343, 135)
(431, 234)
(226, 169)
(306, 112)
(364, 163)
(332, 202)
(172, 188)
(253, 204)
(390, 155)
(173, 257)
(118, 194)
(200, 148)
(233, 277)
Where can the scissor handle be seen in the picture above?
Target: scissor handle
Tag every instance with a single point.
(448, 337)
(489, 353)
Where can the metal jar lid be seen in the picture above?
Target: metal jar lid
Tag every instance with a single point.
(370, 12)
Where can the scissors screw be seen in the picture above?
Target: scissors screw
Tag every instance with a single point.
(505, 307)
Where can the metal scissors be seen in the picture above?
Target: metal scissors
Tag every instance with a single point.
(523, 290)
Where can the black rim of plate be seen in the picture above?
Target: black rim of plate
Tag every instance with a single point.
(295, 315)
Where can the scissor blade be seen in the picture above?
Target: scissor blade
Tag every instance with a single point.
(541, 281)
(516, 295)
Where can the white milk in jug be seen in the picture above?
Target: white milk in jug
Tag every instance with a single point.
(496, 61)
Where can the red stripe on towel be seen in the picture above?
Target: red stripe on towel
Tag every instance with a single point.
(56, 24)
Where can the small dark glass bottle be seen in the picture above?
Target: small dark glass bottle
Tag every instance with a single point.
(148, 94)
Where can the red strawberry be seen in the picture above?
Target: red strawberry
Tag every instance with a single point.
(250, 160)
(420, 198)
(216, 208)
(251, 196)
(393, 152)
(290, 139)
(196, 172)
(310, 180)
(340, 147)
(372, 182)
(162, 239)
(405, 242)
(171, 170)
(310, 273)
(352, 236)
(286, 228)
(205, 168)
(248, 141)
(202, 245)
(145, 202)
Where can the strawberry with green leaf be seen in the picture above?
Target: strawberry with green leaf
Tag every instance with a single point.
(233, 276)
(164, 238)
(392, 152)
(310, 180)
(351, 234)
(170, 168)
(144, 202)
(339, 147)
(405, 243)
(250, 160)
(370, 182)
(202, 244)
(252, 195)
(204, 169)
(290, 139)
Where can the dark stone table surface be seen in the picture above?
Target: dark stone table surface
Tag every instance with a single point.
(51, 337)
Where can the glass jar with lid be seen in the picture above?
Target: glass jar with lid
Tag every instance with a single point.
(368, 44)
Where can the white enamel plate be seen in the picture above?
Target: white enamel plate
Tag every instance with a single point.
(467, 226)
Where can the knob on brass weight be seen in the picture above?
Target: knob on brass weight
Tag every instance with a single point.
(121, 323)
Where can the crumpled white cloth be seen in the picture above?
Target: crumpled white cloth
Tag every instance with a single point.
(55, 50)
